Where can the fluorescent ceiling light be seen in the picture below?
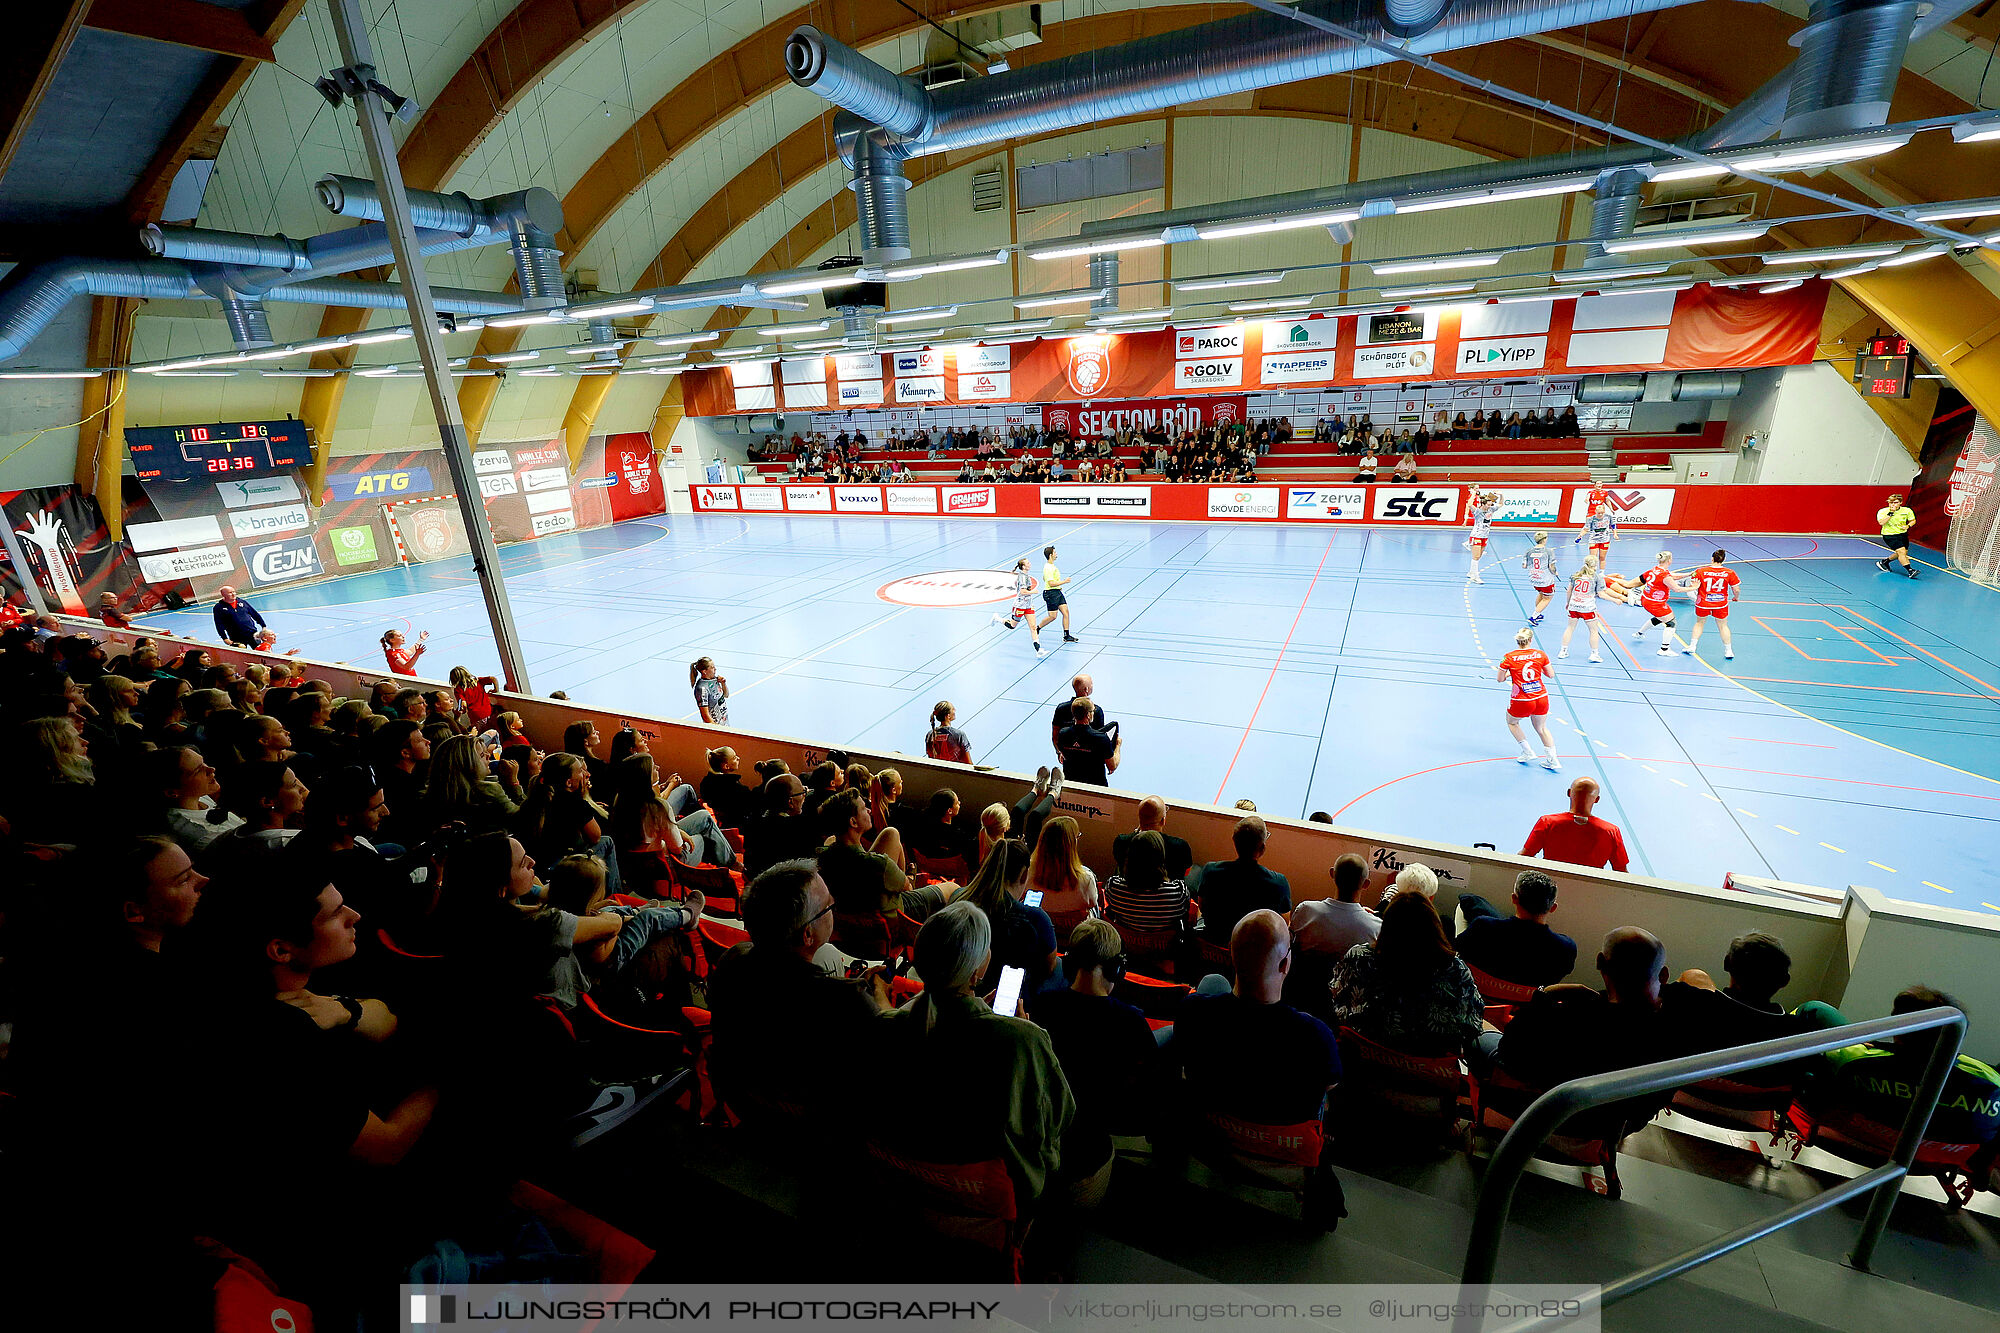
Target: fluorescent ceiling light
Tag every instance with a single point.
(1968, 208)
(1784, 286)
(591, 349)
(793, 330)
(473, 374)
(525, 318)
(196, 374)
(1142, 328)
(917, 316)
(1291, 222)
(1280, 303)
(1522, 298)
(761, 349)
(598, 369)
(1435, 289)
(813, 346)
(629, 305)
(660, 370)
(1681, 237)
(1217, 284)
(924, 267)
(1104, 247)
(1977, 130)
(1610, 274)
(818, 283)
(543, 370)
(1821, 155)
(298, 374)
(662, 357)
(1058, 298)
(1020, 326)
(684, 339)
(1685, 171)
(507, 358)
(1852, 270)
(386, 336)
(49, 374)
(1750, 281)
(1434, 265)
(1640, 288)
(1915, 256)
(1833, 252)
(1130, 316)
(376, 372)
(1466, 199)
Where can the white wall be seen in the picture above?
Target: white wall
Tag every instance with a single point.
(1813, 428)
(51, 406)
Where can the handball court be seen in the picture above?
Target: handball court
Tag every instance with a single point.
(1855, 738)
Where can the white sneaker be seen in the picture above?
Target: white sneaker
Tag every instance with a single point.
(1553, 764)
(1664, 650)
(1526, 756)
(1563, 653)
(1638, 634)
(1595, 658)
(1688, 649)
(999, 619)
(1729, 657)
(1477, 579)
(1055, 782)
(1042, 781)
(1038, 647)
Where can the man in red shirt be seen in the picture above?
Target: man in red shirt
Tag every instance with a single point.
(1577, 836)
(1714, 589)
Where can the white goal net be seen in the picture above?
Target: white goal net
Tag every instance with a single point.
(1972, 542)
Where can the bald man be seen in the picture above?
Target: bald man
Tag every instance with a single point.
(1153, 818)
(1082, 686)
(1248, 1053)
(1568, 1031)
(1576, 835)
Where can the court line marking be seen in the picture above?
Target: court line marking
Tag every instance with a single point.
(1831, 848)
(1296, 618)
(1783, 828)
(1879, 866)
(1763, 740)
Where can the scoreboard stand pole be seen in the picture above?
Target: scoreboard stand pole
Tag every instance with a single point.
(357, 80)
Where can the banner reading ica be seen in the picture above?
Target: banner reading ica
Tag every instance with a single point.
(921, 1307)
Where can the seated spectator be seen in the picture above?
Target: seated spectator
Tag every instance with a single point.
(939, 838)
(343, 821)
(52, 796)
(494, 927)
(579, 738)
(1142, 897)
(642, 801)
(782, 832)
(1105, 1046)
(1414, 877)
(559, 817)
(995, 823)
(400, 755)
(1153, 818)
(1408, 989)
(1089, 753)
(867, 879)
(1878, 1080)
(1567, 1031)
(1323, 930)
(722, 789)
(1577, 836)
(787, 1034)
(1022, 935)
(1247, 1053)
(463, 790)
(1520, 948)
(1406, 468)
(1700, 1017)
(626, 742)
(989, 1085)
(823, 780)
(885, 794)
(1056, 870)
(1228, 891)
(114, 730)
(270, 800)
(627, 969)
(186, 782)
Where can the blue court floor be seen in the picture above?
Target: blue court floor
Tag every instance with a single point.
(1855, 738)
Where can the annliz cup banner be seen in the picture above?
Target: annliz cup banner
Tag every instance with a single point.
(1701, 328)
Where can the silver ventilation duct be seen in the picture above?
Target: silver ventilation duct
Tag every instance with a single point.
(1412, 18)
(249, 326)
(1850, 52)
(1614, 208)
(1104, 277)
(1611, 389)
(224, 247)
(882, 209)
(389, 296)
(1707, 386)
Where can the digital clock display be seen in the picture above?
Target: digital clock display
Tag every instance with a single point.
(224, 449)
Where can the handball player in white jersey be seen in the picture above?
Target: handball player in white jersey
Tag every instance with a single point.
(1585, 586)
(1484, 507)
(1540, 562)
(1024, 605)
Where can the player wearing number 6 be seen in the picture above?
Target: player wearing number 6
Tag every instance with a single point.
(1526, 670)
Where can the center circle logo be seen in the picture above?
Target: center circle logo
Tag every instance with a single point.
(949, 588)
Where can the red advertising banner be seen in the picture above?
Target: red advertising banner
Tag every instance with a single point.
(1172, 415)
(637, 491)
(1702, 328)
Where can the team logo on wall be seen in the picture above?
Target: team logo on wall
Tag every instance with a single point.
(429, 531)
(1224, 410)
(1087, 365)
(1056, 418)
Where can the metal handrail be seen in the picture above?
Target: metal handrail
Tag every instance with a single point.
(1549, 1111)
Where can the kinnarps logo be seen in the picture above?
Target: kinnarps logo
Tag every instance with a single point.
(282, 562)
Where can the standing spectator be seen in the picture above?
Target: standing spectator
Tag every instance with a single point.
(1408, 990)
(943, 740)
(108, 612)
(1577, 836)
(403, 661)
(1080, 688)
(235, 619)
(711, 691)
(1228, 891)
(475, 695)
(1089, 754)
(1323, 930)
(1521, 948)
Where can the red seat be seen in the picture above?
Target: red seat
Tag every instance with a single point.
(1286, 1145)
(1065, 922)
(966, 1203)
(1498, 1097)
(721, 887)
(1957, 1167)
(1290, 1158)
(953, 868)
(400, 952)
(1721, 1101)
(1502, 997)
(1416, 1091)
(1156, 999)
(1155, 946)
(734, 837)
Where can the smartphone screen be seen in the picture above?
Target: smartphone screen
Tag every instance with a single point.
(1008, 998)
(1033, 898)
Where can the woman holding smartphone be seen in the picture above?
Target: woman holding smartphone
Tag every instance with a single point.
(1022, 935)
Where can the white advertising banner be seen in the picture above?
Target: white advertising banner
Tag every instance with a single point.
(1297, 368)
(1405, 360)
(1125, 501)
(983, 385)
(912, 500)
(1425, 504)
(186, 564)
(247, 491)
(763, 399)
(1226, 373)
(808, 497)
(968, 499)
(492, 460)
(562, 520)
(545, 479)
(502, 484)
(1504, 321)
(175, 532)
(547, 502)
(853, 393)
(1627, 310)
(976, 359)
(858, 499)
(1624, 347)
(1631, 506)
(804, 371)
(857, 366)
(750, 374)
(799, 397)
(1486, 355)
(717, 497)
(1243, 501)
(927, 390)
(761, 497)
(272, 522)
(910, 365)
(1204, 344)
(1348, 502)
(1301, 335)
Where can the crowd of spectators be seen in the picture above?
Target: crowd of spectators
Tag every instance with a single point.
(220, 876)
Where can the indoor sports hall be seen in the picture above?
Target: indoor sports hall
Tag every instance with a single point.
(1303, 664)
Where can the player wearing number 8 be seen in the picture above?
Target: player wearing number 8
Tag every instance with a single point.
(1895, 519)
